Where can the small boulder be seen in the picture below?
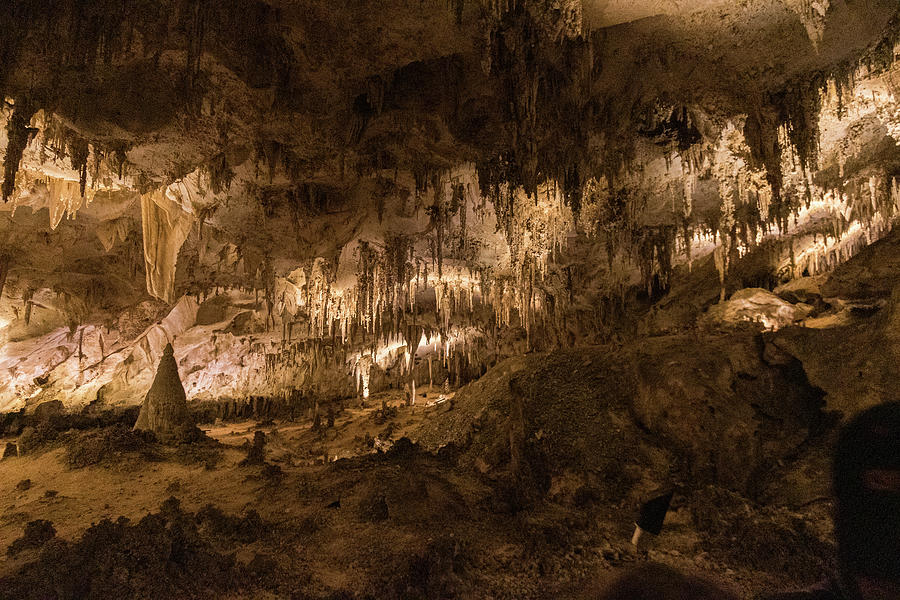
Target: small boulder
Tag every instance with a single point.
(755, 305)
(45, 410)
(37, 533)
(245, 323)
(213, 310)
(26, 440)
(11, 450)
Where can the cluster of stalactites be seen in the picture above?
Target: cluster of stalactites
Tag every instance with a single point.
(515, 301)
(749, 213)
(753, 204)
(812, 14)
(64, 198)
(353, 317)
(308, 364)
(450, 349)
(651, 249)
(43, 135)
(376, 303)
(295, 365)
(858, 218)
(832, 227)
(392, 284)
(96, 165)
(536, 227)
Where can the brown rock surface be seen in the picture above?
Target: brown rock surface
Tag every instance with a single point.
(45, 410)
(874, 272)
(855, 361)
(704, 408)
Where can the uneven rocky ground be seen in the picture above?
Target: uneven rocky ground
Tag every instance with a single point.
(522, 484)
(447, 518)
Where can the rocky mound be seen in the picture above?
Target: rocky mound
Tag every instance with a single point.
(169, 554)
(689, 409)
(873, 273)
(854, 359)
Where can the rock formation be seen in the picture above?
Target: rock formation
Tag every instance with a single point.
(416, 185)
(165, 411)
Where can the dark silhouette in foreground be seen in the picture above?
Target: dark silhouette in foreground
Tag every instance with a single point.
(866, 480)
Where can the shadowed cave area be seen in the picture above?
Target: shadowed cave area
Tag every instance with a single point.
(438, 299)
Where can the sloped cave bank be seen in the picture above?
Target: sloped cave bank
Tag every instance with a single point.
(525, 486)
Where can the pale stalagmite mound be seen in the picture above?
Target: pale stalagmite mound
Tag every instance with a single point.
(165, 411)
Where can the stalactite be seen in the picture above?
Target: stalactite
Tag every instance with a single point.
(19, 133)
(761, 133)
(197, 26)
(165, 226)
(65, 200)
(655, 246)
(720, 257)
(219, 173)
(110, 232)
(79, 151)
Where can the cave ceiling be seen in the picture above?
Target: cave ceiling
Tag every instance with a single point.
(535, 157)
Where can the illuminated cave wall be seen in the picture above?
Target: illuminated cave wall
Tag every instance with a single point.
(461, 200)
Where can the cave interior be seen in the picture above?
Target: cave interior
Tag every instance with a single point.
(424, 298)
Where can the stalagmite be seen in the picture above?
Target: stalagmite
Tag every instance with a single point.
(164, 411)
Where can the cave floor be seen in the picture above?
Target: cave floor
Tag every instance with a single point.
(296, 444)
(394, 510)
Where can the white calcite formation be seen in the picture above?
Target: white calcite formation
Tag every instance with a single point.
(166, 224)
(423, 197)
(756, 305)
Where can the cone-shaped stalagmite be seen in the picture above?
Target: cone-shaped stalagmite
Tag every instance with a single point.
(165, 411)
